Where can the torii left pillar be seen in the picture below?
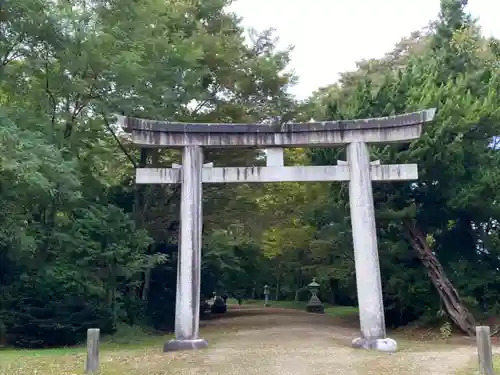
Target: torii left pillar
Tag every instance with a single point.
(187, 302)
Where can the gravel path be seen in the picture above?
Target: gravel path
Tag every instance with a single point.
(258, 342)
(306, 344)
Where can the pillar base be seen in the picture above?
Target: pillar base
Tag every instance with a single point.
(381, 345)
(176, 345)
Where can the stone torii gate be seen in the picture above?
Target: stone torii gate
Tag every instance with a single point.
(358, 170)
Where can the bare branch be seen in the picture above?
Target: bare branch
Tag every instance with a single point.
(49, 93)
(199, 107)
(120, 144)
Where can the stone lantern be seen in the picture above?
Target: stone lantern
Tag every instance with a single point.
(266, 295)
(314, 305)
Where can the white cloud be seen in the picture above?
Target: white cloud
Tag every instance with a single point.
(331, 35)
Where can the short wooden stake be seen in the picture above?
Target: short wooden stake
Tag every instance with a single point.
(484, 350)
(92, 365)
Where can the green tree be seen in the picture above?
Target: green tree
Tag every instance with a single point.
(443, 213)
(67, 68)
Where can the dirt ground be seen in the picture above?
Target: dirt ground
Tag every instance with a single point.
(297, 343)
(254, 341)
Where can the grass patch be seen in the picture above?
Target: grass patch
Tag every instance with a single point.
(338, 311)
(138, 351)
(124, 353)
(129, 337)
(128, 351)
(126, 337)
(496, 363)
(473, 369)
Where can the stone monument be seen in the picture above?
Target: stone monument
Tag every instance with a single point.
(314, 305)
(266, 295)
(192, 138)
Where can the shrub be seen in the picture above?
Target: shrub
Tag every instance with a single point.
(219, 306)
(204, 308)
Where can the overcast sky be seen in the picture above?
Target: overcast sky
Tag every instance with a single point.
(331, 35)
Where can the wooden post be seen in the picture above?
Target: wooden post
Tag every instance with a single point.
(92, 365)
(484, 351)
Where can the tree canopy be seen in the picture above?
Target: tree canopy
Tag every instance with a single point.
(82, 246)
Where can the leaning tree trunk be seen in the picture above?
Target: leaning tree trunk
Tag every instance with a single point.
(449, 295)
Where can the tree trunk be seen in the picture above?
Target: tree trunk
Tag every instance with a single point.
(449, 295)
(277, 287)
(147, 284)
(112, 301)
(139, 194)
(139, 210)
(333, 289)
(3, 335)
(299, 285)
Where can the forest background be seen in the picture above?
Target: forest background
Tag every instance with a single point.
(82, 246)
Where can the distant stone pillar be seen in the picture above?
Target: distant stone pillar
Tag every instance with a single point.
(266, 295)
(364, 233)
(187, 304)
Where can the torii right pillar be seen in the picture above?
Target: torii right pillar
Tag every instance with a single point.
(364, 236)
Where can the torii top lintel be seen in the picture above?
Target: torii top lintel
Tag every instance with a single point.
(392, 129)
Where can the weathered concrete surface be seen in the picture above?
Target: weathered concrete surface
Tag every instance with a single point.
(364, 233)
(407, 127)
(382, 345)
(395, 172)
(275, 157)
(187, 305)
(145, 138)
(406, 119)
(177, 345)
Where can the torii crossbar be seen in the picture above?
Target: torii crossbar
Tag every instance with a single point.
(358, 170)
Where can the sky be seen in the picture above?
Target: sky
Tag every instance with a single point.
(329, 36)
